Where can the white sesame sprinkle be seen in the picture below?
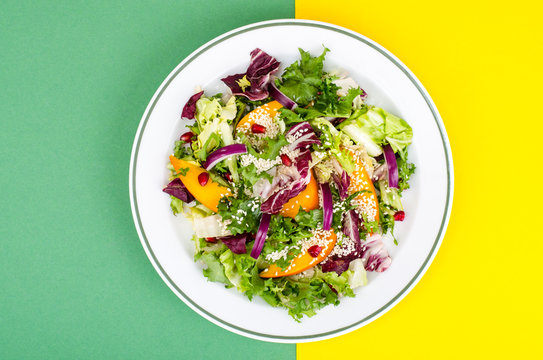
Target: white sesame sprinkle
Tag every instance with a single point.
(344, 246)
(261, 116)
(366, 203)
(260, 164)
(292, 154)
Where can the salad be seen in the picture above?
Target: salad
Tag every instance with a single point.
(290, 181)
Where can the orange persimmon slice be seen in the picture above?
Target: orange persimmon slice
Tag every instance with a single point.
(303, 261)
(210, 194)
(308, 199)
(360, 181)
(269, 109)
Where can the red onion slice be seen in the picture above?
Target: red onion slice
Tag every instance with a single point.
(224, 152)
(260, 237)
(327, 207)
(280, 97)
(390, 159)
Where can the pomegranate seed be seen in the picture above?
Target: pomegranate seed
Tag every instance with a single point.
(203, 178)
(187, 137)
(399, 216)
(228, 176)
(211, 239)
(286, 160)
(258, 129)
(314, 250)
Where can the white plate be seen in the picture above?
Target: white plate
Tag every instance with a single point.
(166, 238)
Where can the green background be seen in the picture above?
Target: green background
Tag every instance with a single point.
(76, 78)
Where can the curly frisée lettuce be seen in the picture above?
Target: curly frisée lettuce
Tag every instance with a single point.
(301, 295)
(302, 79)
(295, 217)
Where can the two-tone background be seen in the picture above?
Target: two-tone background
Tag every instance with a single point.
(75, 78)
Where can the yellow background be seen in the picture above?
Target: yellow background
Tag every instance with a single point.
(482, 65)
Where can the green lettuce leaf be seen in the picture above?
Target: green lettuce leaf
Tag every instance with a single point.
(329, 104)
(282, 233)
(230, 270)
(215, 269)
(331, 141)
(229, 111)
(311, 219)
(302, 79)
(207, 109)
(176, 205)
(398, 133)
(242, 272)
(242, 213)
(250, 175)
(373, 127)
(405, 170)
(305, 295)
(214, 129)
(390, 196)
(289, 117)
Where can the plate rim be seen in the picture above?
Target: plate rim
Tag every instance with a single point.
(271, 337)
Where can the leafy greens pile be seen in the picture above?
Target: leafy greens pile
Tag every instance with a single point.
(324, 129)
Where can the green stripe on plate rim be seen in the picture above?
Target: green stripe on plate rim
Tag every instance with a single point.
(389, 56)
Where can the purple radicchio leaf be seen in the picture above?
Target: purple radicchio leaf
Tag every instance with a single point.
(289, 189)
(375, 255)
(351, 222)
(259, 72)
(232, 82)
(302, 136)
(342, 183)
(260, 68)
(236, 243)
(177, 189)
(337, 265)
(372, 252)
(302, 165)
(190, 107)
(300, 129)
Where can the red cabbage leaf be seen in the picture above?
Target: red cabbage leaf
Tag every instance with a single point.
(259, 72)
(289, 185)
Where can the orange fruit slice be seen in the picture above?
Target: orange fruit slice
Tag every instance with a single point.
(308, 199)
(360, 181)
(210, 194)
(303, 261)
(269, 109)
